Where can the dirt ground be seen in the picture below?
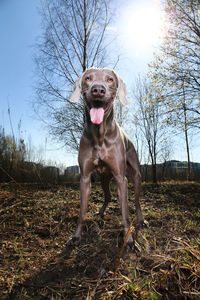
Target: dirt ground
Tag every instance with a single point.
(35, 262)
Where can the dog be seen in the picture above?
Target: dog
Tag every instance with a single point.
(104, 147)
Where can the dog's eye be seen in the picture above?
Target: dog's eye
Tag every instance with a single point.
(109, 79)
(88, 78)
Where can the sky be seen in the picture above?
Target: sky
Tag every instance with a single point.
(20, 26)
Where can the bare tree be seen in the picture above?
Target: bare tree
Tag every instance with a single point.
(175, 69)
(149, 118)
(177, 61)
(75, 38)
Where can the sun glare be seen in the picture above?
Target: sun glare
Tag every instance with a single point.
(140, 25)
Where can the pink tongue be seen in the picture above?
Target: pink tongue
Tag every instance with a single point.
(96, 115)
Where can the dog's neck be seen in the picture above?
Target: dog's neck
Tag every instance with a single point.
(97, 133)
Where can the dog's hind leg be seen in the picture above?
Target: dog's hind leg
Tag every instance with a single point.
(105, 183)
(133, 169)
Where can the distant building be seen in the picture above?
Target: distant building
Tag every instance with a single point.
(180, 165)
(72, 169)
(172, 169)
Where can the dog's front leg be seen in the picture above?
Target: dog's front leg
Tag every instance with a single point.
(123, 199)
(85, 187)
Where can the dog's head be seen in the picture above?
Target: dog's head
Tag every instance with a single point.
(99, 88)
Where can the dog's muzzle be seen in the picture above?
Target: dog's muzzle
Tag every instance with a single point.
(98, 91)
(99, 104)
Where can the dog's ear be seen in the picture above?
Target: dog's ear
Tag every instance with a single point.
(76, 90)
(121, 91)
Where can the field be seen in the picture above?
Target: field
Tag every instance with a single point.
(37, 221)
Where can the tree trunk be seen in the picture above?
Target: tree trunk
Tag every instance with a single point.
(154, 173)
(84, 66)
(186, 137)
(187, 149)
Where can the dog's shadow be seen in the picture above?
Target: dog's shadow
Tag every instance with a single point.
(74, 271)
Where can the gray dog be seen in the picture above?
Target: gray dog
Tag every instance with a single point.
(104, 147)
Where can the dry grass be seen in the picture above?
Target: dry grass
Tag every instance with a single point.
(36, 224)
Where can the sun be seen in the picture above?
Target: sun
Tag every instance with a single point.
(140, 25)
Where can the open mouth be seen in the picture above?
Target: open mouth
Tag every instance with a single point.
(97, 113)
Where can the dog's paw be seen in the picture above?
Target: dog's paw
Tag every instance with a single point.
(74, 241)
(145, 224)
(99, 214)
(129, 247)
(142, 224)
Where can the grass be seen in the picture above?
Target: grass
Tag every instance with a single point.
(36, 224)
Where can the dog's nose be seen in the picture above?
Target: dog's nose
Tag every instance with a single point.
(98, 90)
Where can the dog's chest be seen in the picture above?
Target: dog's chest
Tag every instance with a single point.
(99, 159)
